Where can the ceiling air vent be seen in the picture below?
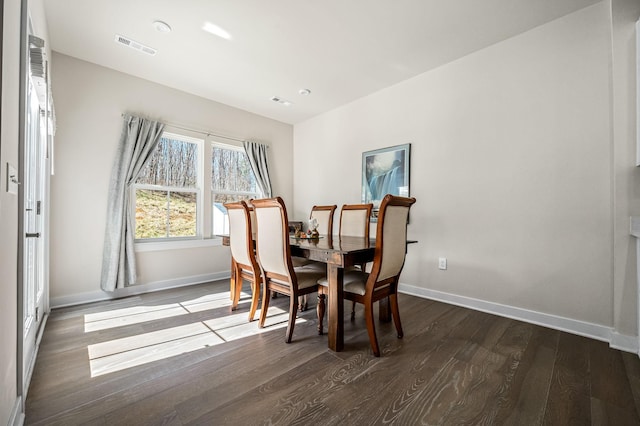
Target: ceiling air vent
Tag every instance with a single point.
(279, 100)
(135, 45)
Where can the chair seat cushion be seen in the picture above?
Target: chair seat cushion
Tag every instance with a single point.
(354, 281)
(308, 276)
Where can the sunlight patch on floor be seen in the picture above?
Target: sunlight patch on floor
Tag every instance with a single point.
(119, 354)
(140, 314)
(212, 301)
(116, 355)
(236, 328)
(128, 316)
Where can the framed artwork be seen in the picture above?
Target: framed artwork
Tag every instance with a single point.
(385, 171)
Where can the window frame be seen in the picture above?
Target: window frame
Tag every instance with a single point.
(204, 194)
(212, 191)
(200, 143)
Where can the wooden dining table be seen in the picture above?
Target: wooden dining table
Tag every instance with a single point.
(338, 253)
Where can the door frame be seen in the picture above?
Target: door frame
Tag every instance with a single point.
(24, 372)
(22, 122)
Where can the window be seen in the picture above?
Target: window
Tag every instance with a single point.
(167, 197)
(167, 191)
(232, 179)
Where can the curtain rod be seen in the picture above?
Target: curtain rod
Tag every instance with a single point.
(202, 132)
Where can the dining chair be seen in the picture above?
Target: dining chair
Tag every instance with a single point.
(241, 230)
(354, 222)
(388, 261)
(274, 257)
(324, 216)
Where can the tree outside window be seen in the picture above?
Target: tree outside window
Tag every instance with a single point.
(167, 194)
(231, 180)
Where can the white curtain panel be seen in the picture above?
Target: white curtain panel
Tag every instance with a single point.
(257, 154)
(139, 138)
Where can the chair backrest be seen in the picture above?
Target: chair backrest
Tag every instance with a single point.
(252, 216)
(354, 220)
(272, 238)
(391, 237)
(240, 233)
(324, 216)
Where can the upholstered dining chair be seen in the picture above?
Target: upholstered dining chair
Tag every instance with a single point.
(324, 216)
(354, 222)
(241, 230)
(274, 257)
(388, 261)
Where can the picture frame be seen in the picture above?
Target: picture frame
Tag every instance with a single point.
(385, 171)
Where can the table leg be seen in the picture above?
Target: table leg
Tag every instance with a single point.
(335, 322)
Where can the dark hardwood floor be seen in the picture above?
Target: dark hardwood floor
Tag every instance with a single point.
(179, 357)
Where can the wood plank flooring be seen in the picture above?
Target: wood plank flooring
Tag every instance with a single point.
(180, 357)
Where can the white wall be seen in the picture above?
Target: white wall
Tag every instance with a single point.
(9, 210)
(89, 102)
(511, 154)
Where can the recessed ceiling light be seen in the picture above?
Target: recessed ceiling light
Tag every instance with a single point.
(162, 26)
(304, 92)
(216, 30)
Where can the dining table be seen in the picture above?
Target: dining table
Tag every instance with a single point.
(338, 252)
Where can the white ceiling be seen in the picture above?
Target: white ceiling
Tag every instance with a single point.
(339, 49)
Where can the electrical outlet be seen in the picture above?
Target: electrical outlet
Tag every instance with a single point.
(442, 263)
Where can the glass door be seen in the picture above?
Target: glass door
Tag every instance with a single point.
(33, 273)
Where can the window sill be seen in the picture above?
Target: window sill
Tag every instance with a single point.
(176, 245)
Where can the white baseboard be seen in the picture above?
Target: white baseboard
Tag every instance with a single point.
(17, 414)
(623, 342)
(595, 331)
(99, 295)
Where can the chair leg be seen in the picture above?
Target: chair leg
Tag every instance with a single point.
(293, 311)
(371, 328)
(395, 312)
(266, 296)
(302, 303)
(353, 303)
(232, 282)
(237, 291)
(235, 286)
(320, 309)
(255, 295)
